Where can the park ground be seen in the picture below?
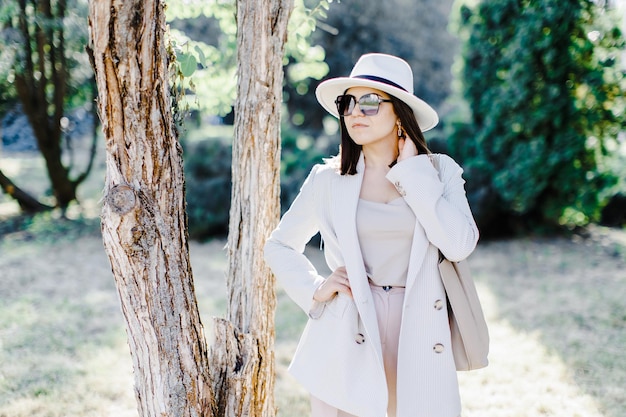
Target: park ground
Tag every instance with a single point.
(556, 309)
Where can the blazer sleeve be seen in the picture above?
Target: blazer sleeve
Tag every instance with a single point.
(439, 202)
(284, 250)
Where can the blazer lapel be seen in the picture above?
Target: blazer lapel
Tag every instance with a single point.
(418, 251)
(345, 198)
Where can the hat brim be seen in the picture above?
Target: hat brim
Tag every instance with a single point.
(328, 90)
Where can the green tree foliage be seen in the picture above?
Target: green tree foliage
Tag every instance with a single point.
(204, 38)
(204, 34)
(546, 95)
(204, 41)
(208, 184)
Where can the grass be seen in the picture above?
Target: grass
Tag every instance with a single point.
(555, 309)
(557, 323)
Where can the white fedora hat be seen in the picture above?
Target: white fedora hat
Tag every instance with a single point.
(383, 72)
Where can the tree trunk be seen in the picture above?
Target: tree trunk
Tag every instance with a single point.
(143, 216)
(243, 351)
(42, 85)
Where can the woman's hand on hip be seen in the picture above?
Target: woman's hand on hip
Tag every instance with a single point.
(337, 282)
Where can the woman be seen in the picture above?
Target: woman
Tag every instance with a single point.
(378, 340)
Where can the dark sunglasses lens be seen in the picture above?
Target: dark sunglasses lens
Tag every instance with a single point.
(369, 104)
(345, 104)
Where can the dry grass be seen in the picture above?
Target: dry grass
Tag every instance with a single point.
(555, 307)
(556, 310)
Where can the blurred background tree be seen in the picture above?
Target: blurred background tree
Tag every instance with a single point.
(546, 91)
(45, 69)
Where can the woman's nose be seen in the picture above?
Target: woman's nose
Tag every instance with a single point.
(358, 112)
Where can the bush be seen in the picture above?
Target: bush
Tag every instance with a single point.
(300, 151)
(546, 93)
(208, 187)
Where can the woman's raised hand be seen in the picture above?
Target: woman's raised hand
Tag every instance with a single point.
(406, 148)
(337, 282)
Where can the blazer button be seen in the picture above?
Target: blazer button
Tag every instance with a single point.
(438, 305)
(359, 338)
(399, 188)
(438, 348)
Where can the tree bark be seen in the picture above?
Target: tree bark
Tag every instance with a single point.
(243, 350)
(143, 217)
(144, 221)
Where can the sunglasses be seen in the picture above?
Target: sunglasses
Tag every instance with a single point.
(369, 104)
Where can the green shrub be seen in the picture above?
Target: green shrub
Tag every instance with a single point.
(546, 93)
(300, 151)
(208, 186)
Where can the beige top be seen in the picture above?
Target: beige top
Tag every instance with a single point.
(385, 234)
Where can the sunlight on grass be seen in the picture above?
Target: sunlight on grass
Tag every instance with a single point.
(99, 387)
(64, 349)
(554, 353)
(292, 400)
(523, 378)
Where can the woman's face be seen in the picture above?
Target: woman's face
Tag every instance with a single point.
(368, 130)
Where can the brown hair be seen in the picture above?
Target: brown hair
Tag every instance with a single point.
(350, 151)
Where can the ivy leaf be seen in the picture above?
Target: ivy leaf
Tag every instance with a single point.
(188, 64)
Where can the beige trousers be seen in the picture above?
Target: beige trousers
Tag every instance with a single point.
(388, 306)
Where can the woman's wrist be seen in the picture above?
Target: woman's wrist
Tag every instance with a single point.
(317, 296)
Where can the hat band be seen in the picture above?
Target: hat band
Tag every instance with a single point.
(380, 80)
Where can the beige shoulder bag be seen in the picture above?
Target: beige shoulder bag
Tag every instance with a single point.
(468, 328)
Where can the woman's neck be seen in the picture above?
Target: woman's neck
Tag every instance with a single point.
(379, 157)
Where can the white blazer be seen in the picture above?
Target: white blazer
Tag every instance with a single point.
(328, 361)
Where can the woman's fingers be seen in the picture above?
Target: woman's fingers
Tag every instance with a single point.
(345, 289)
(406, 149)
(337, 282)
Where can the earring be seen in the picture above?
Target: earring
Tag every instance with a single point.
(400, 133)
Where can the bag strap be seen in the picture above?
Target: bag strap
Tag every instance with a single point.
(434, 159)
